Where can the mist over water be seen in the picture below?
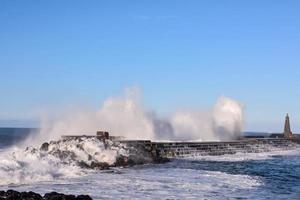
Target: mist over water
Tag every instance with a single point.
(126, 116)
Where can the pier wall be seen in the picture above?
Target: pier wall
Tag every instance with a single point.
(183, 149)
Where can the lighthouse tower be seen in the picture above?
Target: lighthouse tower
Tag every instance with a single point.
(287, 128)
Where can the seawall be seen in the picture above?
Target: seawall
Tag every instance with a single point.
(181, 149)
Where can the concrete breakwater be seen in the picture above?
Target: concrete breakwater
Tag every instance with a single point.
(145, 151)
(181, 149)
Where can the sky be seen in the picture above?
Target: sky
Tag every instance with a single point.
(179, 53)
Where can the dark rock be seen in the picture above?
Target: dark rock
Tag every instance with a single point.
(30, 196)
(63, 154)
(161, 160)
(70, 197)
(2, 193)
(121, 161)
(99, 166)
(59, 196)
(45, 146)
(124, 161)
(83, 164)
(53, 196)
(83, 197)
(14, 195)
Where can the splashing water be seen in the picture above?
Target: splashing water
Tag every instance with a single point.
(125, 116)
(63, 159)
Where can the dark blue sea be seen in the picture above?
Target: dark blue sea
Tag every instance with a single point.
(11, 136)
(271, 175)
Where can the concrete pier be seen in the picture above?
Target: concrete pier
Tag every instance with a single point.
(183, 149)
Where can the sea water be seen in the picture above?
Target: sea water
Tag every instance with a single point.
(272, 175)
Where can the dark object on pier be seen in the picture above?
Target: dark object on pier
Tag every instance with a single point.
(102, 135)
(15, 195)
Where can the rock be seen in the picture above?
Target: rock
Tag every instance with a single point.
(14, 195)
(70, 197)
(121, 161)
(59, 196)
(99, 165)
(83, 164)
(45, 146)
(83, 197)
(124, 161)
(30, 196)
(2, 193)
(53, 196)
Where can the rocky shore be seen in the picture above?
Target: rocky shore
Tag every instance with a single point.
(15, 195)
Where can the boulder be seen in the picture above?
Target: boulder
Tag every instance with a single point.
(45, 146)
(14, 195)
(99, 165)
(83, 197)
(30, 196)
(53, 196)
(83, 164)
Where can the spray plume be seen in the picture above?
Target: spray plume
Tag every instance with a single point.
(126, 116)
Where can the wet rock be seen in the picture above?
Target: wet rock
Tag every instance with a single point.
(45, 146)
(14, 195)
(133, 159)
(63, 154)
(11, 195)
(99, 165)
(83, 197)
(58, 196)
(2, 193)
(121, 161)
(30, 196)
(83, 164)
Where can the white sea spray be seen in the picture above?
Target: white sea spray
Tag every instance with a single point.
(62, 159)
(127, 116)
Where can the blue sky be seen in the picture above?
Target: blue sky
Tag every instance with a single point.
(180, 53)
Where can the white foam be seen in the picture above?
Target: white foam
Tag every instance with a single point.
(18, 166)
(248, 156)
(153, 183)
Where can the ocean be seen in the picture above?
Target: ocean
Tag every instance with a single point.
(271, 175)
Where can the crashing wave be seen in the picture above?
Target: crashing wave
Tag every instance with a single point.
(64, 158)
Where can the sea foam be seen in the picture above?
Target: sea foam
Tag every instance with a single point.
(62, 159)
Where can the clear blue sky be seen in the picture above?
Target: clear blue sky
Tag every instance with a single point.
(181, 53)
